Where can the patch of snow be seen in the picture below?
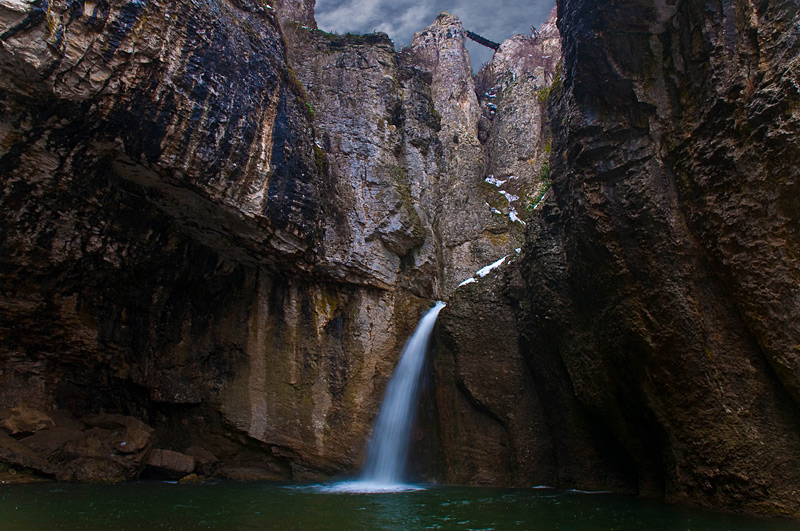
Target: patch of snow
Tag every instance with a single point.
(482, 272)
(491, 179)
(539, 202)
(509, 197)
(495, 211)
(512, 215)
(517, 250)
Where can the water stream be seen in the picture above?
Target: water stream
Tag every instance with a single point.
(388, 447)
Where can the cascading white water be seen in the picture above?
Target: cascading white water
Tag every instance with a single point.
(386, 453)
(388, 448)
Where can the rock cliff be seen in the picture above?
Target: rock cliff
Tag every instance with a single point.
(224, 223)
(164, 245)
(654, 306)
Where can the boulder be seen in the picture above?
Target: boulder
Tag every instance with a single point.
(93, 470)
(17, 454)
(167, 463)
(133, 435)
(190, 479)
(24, 420)
(204, 459)
(46, 443)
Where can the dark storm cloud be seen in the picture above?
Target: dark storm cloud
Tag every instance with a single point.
(496, 20)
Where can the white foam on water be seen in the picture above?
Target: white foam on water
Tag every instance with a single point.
(366, 487)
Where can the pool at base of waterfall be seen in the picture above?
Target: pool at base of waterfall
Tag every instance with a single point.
(226, 505)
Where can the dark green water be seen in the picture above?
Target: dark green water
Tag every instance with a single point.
(270, 506)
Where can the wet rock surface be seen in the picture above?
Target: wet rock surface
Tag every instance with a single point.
(169, 464)
(162, 258)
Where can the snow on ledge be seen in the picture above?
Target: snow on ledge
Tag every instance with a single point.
(491, 179)
(482, 272)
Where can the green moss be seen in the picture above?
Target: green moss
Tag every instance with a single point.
(544, 178)
(543, 94)
(321, 160)
(554, 88)
(295, 85)
(501, 239)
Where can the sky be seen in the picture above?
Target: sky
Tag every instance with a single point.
(496, 20)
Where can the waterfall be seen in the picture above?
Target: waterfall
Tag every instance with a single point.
(386, 453)
(388, 447)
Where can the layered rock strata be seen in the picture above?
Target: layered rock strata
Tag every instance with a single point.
(225, 223)
(401, 136)
(163, 254)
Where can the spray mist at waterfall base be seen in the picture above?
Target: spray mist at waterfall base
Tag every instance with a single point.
(388, 448)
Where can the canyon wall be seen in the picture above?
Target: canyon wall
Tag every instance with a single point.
(165, 253)
(220, 225)
(651, 319)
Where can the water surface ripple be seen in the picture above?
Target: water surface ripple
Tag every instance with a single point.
(287, 507)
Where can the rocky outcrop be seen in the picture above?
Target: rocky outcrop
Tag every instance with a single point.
(400, 137)
(100, 449)
(169, 464)
(657, 310)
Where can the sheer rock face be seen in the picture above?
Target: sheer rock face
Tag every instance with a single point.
(381, 220)
(296, 11)
(472, 233)
(658, 312)
(164, 217)
(225, 223)
(400, 136)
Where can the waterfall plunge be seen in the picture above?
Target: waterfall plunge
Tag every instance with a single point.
(387, 450)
